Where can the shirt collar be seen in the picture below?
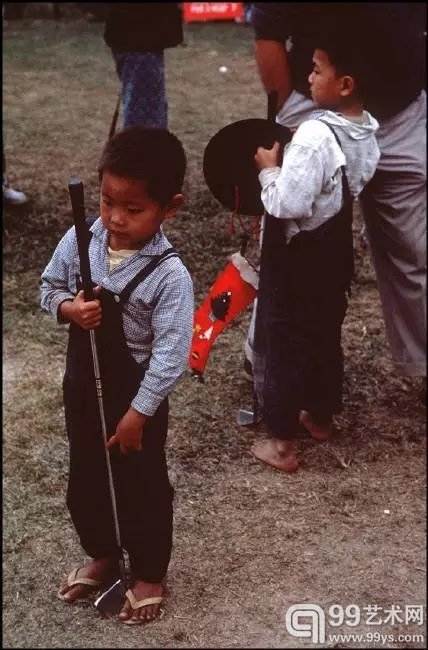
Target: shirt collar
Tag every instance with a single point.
(155, 246)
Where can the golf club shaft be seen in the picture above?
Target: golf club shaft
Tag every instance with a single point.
(75, 188)
(258, 344)
(104, 432)
(115, 118)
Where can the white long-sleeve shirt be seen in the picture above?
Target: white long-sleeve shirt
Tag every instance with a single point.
(307, 189)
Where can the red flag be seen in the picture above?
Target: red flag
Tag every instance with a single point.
(234, 289)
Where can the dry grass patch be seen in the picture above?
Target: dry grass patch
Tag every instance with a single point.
(249, 541)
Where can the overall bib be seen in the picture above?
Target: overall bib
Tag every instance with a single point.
(143, 492)
(304, 307)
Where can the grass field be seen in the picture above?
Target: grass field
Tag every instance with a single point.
(349, 527)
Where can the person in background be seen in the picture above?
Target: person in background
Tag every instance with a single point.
(138, 33)
(11, 197)
(394, 202)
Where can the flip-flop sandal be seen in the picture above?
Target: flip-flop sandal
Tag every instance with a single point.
(137, 604)
(72, 580)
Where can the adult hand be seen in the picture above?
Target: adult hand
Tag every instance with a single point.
(267, 157)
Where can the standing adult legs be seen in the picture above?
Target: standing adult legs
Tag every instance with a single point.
(142, 75)
(394, 208)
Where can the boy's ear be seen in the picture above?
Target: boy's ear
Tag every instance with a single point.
(348, 85)
(175, 204)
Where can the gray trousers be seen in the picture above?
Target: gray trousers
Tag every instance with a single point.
(394, 210)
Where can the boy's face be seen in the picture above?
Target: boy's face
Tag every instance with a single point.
(327, 88)
(129, 214)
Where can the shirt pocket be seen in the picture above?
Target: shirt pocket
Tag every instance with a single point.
(137, 319)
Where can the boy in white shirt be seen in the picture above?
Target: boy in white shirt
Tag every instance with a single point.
(331, 157)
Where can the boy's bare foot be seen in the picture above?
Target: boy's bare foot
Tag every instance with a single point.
(146, 594)
(319, 432)
(75, 588)
(277, 453)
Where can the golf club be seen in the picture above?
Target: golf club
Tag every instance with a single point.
(244, 417)
(110, 601)
(114, 118)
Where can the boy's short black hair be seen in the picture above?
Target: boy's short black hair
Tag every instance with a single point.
(153, 155)
(346, 52)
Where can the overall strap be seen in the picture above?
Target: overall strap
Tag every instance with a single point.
(345, 184)
(347, 205)
(145, 272)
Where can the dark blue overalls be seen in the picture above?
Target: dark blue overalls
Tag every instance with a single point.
(143, 492)
(303, 308)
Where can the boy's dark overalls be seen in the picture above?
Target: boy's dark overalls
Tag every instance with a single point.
(143, 492)
(303, 308)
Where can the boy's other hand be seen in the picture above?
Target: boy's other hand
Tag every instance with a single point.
(129, 432)
(267, 157)
(86, 314)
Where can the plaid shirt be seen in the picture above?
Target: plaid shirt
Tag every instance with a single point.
(157, 318)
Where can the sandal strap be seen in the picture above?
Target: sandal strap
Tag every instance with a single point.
(136, 604)
(72, 580)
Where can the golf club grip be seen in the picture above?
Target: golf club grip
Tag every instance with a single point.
(75, 188)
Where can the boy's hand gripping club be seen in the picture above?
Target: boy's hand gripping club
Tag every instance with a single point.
(111, 601)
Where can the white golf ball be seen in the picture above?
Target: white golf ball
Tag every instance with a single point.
(222, 69)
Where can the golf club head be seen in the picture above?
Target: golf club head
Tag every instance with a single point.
(246, 418)
(111, 601)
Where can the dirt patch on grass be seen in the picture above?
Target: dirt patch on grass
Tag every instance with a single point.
(249, 541)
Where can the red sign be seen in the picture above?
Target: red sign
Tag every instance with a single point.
(194, 11)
